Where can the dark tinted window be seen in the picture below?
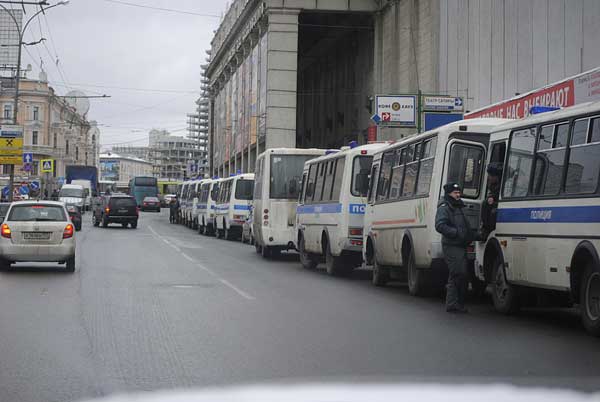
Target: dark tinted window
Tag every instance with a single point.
(4, 209)
(37, 213)
(145, 181)
(122, 202)
(339, 177)
(244, 189)
(595, 135)
(561, 135)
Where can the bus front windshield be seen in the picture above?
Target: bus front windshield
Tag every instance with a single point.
(286, 175)
(244, 189)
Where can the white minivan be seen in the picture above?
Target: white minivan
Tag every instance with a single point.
(400, 240)
(233, 205)
(277, 185)
(330, 211)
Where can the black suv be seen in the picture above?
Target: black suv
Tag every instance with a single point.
(115, 209)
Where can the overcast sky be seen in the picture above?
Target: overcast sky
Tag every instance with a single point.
(102, 45)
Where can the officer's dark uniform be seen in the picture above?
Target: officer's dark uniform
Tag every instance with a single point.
(450, 221)
(488, 211)
(173, 209)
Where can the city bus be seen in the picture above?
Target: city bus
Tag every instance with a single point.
(209, 193)
(545, 246)
(277, 182)
(233, 205)
(141, 187)
(167, 187)
(330, 211)
(407, 178)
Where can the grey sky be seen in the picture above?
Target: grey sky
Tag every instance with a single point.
(101, 43)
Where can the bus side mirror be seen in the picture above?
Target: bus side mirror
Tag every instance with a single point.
(362, 183)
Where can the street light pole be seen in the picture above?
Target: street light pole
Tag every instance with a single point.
(18, 75)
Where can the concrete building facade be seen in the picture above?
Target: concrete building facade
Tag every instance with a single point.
(173, 158)
(287, 73)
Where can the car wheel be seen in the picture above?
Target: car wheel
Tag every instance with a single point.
(158, 210)
(257, 248)
(590, 299)
(133, 225)
(227, 234)
(308, 261)
(71, 264)
(4, 265)
(381, 273)
(95, 220)
(124, 224)
(336, 266)
(78, 227)
(105, 222)
(504, 295)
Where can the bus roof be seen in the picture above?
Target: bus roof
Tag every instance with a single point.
(373, 147)
(293, 151)
(565, 113)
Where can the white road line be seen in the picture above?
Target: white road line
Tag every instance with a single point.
(224, 281)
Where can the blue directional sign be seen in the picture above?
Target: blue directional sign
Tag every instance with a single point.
(27, 157)
(35, 185)
(458, 102)
(24, 190)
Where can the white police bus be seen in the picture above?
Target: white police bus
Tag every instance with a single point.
(406, 183)
(207, 204)
(190, 199)
(277, 185)
(547, 236)
(329, 216)
(233, 205)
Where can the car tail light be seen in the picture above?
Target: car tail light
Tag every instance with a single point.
(5, 231)
(107, 210)
(355, 231)
(68, 232)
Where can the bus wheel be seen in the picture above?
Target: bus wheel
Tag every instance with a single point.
(227, 233)
(336, 266)
(417, 285)
(504, 295)
(381, 274)
(590, 299)
(307, 260)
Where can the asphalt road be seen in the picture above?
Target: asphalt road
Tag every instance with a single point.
(163, 307)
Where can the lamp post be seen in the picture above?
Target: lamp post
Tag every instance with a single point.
(18, 72)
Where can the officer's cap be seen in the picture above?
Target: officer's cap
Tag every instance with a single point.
(452, 186)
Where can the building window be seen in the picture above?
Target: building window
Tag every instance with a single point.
(67, 147)
(55, 140)
(76, 153)
(36, 113)
(34, 138)
(8, 111)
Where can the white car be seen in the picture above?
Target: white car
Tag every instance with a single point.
(37, 231)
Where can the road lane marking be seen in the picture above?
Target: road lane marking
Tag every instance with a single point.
(224, 281)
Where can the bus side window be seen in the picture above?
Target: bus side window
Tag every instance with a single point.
(328, 186)
(337, 180)
(310, 186)
(303, 190)
(383, 183)
(258, 180)
(583, 168)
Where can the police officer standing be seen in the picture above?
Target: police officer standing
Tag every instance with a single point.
(456, 234)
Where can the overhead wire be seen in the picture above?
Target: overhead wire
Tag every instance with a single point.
(171, 10)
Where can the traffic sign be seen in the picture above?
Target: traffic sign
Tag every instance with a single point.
(376, 118)
(5, 191)
(27, 157)
(47, 165)
(27, 167)
(442, 103)
(11, 151)
(11, 130)
(35, 185)
(24, 190)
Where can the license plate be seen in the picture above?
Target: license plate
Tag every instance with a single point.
(36, 235)
(121, 211)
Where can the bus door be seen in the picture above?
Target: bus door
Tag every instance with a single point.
(465, 162)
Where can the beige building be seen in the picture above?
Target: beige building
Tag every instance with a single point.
(52, 128)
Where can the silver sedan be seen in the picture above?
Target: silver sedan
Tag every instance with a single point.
(37, 231)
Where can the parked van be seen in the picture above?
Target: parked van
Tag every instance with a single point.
(277, 185)
(233, 205)
(209, 193)
(406, 185)
(330, 211)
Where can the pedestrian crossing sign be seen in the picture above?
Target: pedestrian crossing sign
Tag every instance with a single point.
(47, 165)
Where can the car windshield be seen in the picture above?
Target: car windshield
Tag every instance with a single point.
(71, 192)
(36, 213)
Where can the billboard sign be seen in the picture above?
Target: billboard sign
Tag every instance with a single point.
(397, 110)
(110, 170)
(582, 88)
